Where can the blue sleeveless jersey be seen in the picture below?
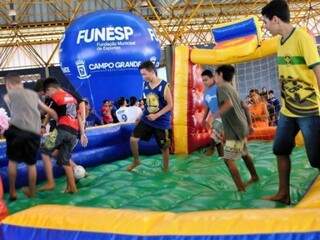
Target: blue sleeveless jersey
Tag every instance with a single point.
(210, 98)
(154, 103)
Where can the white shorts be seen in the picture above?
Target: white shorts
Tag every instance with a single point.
(235, 149)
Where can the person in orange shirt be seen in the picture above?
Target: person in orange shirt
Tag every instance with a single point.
(259, 112)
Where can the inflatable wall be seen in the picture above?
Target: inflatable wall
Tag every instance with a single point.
(235, 42)
(106, 144)
(100, 54)
(188, 112)
(68, 222)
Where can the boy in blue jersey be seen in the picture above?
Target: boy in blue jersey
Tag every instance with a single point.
(156, 116)
(211, 105)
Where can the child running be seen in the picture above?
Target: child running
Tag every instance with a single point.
(236, 124)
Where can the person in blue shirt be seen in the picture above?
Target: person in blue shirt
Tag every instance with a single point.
(211, 105)
(155, 120)
(91, 118)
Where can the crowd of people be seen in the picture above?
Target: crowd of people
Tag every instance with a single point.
(264, 107)
(123, 110)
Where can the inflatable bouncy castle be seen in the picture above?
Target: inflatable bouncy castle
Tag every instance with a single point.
(71, 222)
(235, 43)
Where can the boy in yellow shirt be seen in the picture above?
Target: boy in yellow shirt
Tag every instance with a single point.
(299, 74)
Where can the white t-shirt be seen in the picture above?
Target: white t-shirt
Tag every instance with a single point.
(128, 114)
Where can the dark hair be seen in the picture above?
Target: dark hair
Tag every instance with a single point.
(38, 87)
(12, 78)
(270, 91)
(278, 8)
(227, 72)
(207, 72)
(121, 101)
(86, 101)
(144, 100)
(50, 82)
(148, 65)
(133, 100)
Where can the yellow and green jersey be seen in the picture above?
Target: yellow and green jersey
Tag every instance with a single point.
(297, 55)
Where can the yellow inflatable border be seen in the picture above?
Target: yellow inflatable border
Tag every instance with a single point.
(235, 54)
(130, 222)
(180, 99)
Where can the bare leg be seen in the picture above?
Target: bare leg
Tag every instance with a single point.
(210, 149)
(32, 175)
(165, 159)
(220, 149)
(284, 168)
(72, 163)
(249, 163)
(50, 185)
(12, 171)
(71, 183)
(135, 153)
(235, 174)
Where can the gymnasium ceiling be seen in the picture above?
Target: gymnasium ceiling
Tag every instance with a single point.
(28, 22)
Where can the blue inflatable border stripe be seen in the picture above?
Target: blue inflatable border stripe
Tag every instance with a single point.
(12, 232)
(106, 144)
(237, 30)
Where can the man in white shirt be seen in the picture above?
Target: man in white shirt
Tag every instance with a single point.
(135, 110)
(127, 114)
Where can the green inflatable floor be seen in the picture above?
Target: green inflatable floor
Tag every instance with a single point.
(195, 182)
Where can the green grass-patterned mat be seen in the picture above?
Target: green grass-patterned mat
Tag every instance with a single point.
(194, 182)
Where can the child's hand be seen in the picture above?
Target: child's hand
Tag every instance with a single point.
(152, 117)
(43, 130)
(83, 140)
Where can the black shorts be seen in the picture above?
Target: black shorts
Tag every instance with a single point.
(145, 132)
(22, 146)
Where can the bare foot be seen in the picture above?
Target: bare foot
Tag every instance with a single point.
(209, 151)
(47, 187)
(27, 192)
(12, 197)
(133, 165)
(252, 180)
(71, 191)
(242, 189)
(283, 198)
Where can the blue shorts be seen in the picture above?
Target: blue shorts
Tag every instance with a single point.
(287, 129)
